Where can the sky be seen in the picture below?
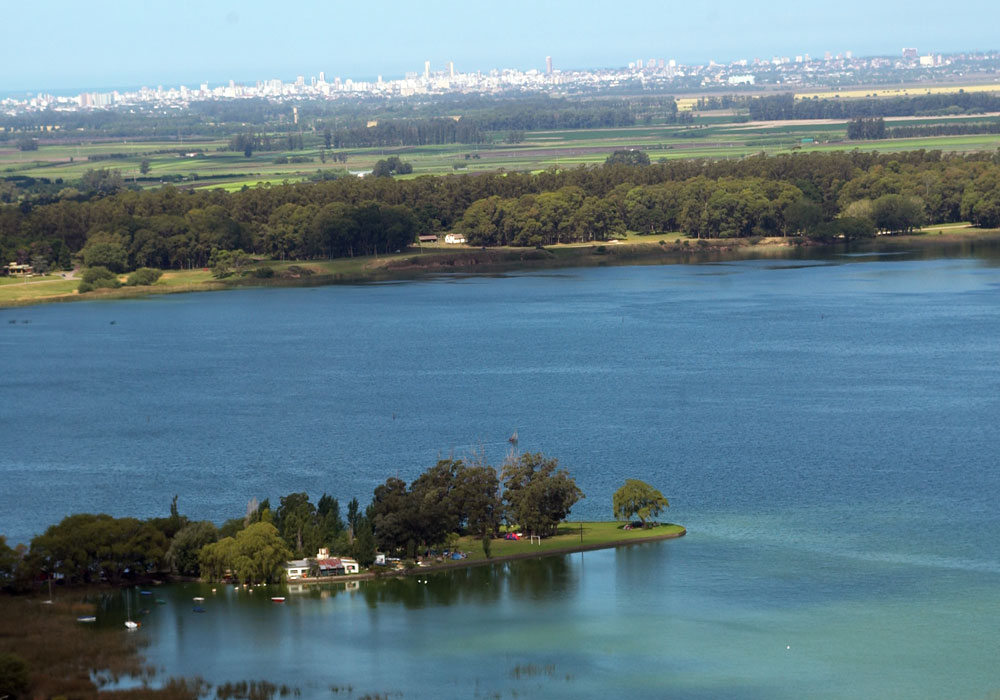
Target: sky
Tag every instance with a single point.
(65, 44)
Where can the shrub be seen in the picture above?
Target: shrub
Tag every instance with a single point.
(144, 276)
(13, 676)
(263, 272)
(98, 277)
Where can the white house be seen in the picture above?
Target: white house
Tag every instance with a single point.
(350, 565)
(296, 569)
(454, 238)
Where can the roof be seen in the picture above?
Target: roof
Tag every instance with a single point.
(297, 564)
(329, 564)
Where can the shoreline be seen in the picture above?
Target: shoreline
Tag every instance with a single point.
(418, 264)
(469, 563)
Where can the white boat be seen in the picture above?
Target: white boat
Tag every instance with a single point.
(86, 618)
(199, 599)
(278, 599)
(129, 624)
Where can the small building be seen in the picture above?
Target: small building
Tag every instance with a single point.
(329, 567)
(454, 238)
(297, 569)
(19, 270)
(427, 238)
(350, 565)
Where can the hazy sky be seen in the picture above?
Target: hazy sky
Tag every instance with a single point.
(52, 44)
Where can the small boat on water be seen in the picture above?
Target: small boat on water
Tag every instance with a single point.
(130, 625)
(199, 599)
(86, 618)
(278, 599)
(145, 593)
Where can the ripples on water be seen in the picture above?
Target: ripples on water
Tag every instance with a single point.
(825, 429)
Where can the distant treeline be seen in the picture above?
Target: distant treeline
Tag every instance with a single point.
(785, 106)
(874, 128)
(757, 196)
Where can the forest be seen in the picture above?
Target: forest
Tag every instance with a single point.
(101, 222)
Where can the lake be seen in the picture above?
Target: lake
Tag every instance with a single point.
(825, 428)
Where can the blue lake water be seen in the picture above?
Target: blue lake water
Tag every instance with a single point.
(826, 430)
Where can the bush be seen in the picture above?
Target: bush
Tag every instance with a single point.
(263, 272)
(144, 277)
(13, 676)
(98, 277)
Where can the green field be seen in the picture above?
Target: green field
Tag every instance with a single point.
(711, 138)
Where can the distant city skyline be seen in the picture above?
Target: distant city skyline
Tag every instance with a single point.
(105, 43)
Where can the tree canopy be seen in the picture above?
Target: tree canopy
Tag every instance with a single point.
(638, 498)
(538, 495)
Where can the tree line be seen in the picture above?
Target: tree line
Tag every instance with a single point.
(449, 499)
(170, 228)
(785, 106)
(873, 128)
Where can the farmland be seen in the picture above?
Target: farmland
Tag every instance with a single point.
(204, 163)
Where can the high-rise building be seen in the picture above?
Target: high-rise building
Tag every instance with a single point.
(427, 70)
(548, 65)
(322, 77)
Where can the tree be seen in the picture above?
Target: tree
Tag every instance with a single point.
(107, 250)
(364, 543)
(477, 496)
(9, 559)
(537, 494)
(185, 548)
(802, 216)
(638, 498)
(228, 262)
(256, 555)
(328, 519)
(897, 213)
(295, 519)
(628, 156)
(86, 548)
(144, 166)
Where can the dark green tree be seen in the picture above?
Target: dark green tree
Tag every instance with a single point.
(537, 494)
(629, 156)
(186, 546)
(295, 519)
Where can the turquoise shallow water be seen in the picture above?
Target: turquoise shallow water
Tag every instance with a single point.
(825, 429)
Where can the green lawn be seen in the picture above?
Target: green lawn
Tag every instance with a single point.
(594, 534)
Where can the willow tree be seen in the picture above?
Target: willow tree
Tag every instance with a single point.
(638, 498)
